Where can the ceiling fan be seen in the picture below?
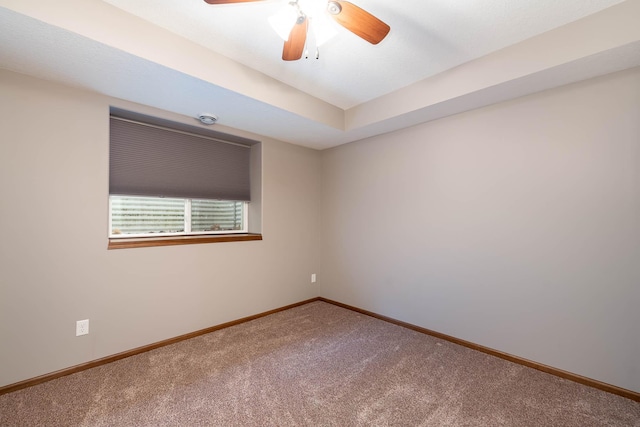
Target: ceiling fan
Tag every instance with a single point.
(350, 16)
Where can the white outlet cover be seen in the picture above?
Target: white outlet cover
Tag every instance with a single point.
(82, 327)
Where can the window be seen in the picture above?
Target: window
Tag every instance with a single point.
(172, 180)
(132, 216)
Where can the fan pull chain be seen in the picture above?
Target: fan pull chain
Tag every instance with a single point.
(306, 54)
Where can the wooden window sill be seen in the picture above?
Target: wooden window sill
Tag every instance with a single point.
(145, 242)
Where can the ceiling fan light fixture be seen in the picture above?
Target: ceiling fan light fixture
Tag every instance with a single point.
(323, 29)
(283, 21)
(292, 23)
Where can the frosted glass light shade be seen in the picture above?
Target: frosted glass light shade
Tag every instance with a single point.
(283, 21)
(323, 29)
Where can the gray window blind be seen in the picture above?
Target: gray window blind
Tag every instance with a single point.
(148, 160)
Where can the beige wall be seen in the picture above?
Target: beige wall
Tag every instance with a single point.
(515, 226)
(54, 265)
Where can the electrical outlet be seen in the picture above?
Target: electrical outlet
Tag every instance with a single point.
(313, 278)
(82, 327)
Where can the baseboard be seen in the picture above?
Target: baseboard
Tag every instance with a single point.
(629, 394)
(103, 361)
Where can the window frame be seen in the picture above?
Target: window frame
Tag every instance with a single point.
(187, 222)
(146, 242)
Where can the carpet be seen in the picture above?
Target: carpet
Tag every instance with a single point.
(314, 365)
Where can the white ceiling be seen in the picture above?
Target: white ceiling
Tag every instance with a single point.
(427, 37)
(441, 57)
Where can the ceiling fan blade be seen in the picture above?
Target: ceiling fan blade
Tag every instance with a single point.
(294, 46)
(358, 21)
(228, 1)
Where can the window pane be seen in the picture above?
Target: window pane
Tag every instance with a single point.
(142, 215)
(216, 215)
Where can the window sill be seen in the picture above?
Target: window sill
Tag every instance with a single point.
(146, 242)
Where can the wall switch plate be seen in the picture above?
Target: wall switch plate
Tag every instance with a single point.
(82, 327)
(313, 278)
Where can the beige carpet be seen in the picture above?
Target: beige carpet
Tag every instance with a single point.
(314, 365)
